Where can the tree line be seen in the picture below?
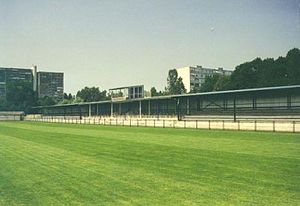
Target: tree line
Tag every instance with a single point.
(257, 73)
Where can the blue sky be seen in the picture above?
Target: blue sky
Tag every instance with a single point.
(111, 43)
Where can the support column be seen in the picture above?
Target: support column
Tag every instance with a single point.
(289, 101)
(234, 109)
(111, 109)
(80, 114)
(157, 109)
(149, 108)
(254, 103)
(140, 108)
(177, 108)
(225, 103)
(167, 105)
(90, 110)
(187, 106)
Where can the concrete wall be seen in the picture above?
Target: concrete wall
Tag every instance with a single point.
(10, 117)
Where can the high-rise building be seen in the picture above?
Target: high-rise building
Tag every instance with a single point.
(50, 84)
(10, 77)
(194, 77)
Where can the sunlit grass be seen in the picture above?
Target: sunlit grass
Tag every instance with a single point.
(60, 164)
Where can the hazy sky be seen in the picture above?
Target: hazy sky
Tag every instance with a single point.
(111, 43)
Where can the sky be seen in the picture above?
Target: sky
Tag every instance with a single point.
(113, 43)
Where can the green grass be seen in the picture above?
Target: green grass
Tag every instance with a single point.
(60, 164)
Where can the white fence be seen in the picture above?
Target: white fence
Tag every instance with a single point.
(250, 125)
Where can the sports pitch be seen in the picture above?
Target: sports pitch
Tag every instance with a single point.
(62, 164)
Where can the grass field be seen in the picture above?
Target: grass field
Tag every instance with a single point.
(60, 164)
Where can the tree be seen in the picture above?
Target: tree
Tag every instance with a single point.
(222, 83)
(180, 89)
(153, 92)
(77, 100)
(91, 94)
(175, 84)
(46, 101)
(66, 96)
(268, 72)
(209, 83)
(20, 97)
(246, 75)
(293, 66)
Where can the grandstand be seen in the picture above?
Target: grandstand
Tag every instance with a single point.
(275, 102)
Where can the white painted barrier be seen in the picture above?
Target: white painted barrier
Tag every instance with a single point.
(243, 125)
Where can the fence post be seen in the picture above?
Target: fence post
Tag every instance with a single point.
(184, 124)
(254, 125)
(130, 122)
(209, 124)
(238, 125)
(223, 124)
(196, 124)
(154, 122)
(137, 123)
(273, 126)
(163, 123)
